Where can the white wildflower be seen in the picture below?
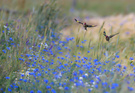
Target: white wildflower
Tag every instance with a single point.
(46, 46)
(93, 83)
(41, 43)
(54, 80)
(81, 78)
(72, 86)
(61, 88)
(86, 74)
(5, 26)
(86, 84)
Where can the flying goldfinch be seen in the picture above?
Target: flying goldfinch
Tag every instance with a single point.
(85, 25)
(108, 37)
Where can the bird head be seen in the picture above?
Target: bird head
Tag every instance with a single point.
(106, 36)
(84, 23)
(104, 33)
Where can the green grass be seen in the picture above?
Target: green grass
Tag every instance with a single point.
(20, 34)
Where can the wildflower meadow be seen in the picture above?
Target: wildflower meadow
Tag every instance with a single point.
(44, 50)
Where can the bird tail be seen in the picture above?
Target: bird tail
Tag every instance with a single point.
(91, 25)
(76, 20)
(116, 33)
(94, 25)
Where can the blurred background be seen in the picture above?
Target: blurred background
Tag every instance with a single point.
(100, 7)
(82, 7)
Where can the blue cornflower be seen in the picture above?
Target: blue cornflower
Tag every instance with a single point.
(47, 61)
(4, 51)
(82, 42)
(53, 91)
(53, 42)
(13, 44)
(20, 79)
(81, 71)
(21, 59)
(7, 28)
(113, 58)
(1, 89)
(61, 53)
(132, 64)
(130, 88)
(39, 91)
(65, 64)
(39, 45)
(25, 80)
(78, 56)
(16, 86)
(128, 82)
(7, 77)
(39, 74)
(72, 38)
(11, 86)
(48, 87)
(91, 81)
(66, 88)
(117, 56)
(8, 48)
(75, 73)
(10, 39)
(46, 81)
(125, 67)
(59, 48)
(131, 58)
(104, 83)
(77, 45)
(3, 31)
(114, 85)
(119, 65)
(81, 46)
(95, 60)
(79, 53)
(89, 90)
(9, 90)
(31, 91)
(85, 58)
(52, 83)
(88, 51)
(22, 56)
(91, 48)
(79, 61)
(96, 86)
(62, 58)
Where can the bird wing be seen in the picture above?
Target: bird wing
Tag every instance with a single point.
(78, 21)
(113, 35)
(91, 25)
